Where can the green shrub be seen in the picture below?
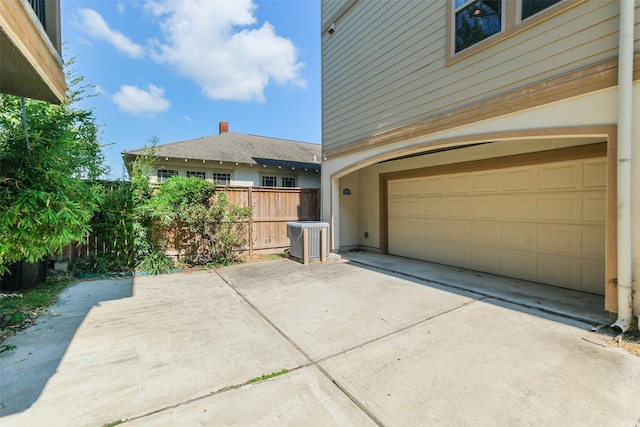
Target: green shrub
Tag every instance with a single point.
(156, 263)
(206, 228)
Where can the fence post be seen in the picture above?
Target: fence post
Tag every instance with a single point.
(250, 203)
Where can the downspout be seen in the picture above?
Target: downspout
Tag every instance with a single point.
(625, 117)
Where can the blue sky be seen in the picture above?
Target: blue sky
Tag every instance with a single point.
(173, 69)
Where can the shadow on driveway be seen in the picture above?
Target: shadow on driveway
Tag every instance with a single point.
(25, 371)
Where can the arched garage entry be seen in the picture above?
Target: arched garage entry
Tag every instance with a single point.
(536, 216)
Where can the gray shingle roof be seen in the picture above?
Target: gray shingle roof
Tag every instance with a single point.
(242, 148)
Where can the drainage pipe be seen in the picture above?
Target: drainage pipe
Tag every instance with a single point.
(625, 117)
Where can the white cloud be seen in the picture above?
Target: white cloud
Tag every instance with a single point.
(134, 100)
(187, 119)
(214, 44)
(120, 7)
(95, 26)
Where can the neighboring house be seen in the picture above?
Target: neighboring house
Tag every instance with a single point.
(237, 159)
(30, 49)
(483, 134)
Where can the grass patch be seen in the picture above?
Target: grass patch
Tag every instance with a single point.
(113, 423)
(267, 376)
(20, 309)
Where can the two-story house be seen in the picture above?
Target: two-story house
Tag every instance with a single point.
(236, 159)
(492, 135)
(30, 50)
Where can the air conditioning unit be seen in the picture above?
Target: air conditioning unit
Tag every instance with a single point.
(315, 246)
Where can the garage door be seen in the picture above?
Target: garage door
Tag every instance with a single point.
(543, 223)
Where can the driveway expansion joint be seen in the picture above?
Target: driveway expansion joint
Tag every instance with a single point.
(315, 363)
(404, 328)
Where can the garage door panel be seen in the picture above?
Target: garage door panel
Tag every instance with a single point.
(396, 207)
(488, 182)
(485, 234)
(484, 259)
(456, 184)
(457, 208)
(457, 231)
(434, 208)
(413, 187)
(594, 207)
(558, 176)
(457, 254)
(519, 208)
(594, 174)
(592, 274)
(519, 236)
(433, 185)
(485, 208)
(518, 264)
(414, 207)
(519, 179)
(434, 230)
(558, 239)
(593, 243)
(558, 271)
(407, 246)
(542, 223)
(558, 208)
(396, 188)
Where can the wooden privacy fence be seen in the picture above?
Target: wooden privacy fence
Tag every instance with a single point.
(271, 209)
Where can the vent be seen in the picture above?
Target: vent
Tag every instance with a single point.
(316, 241)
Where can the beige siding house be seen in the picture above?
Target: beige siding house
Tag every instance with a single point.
(486, 135)
(30, 49)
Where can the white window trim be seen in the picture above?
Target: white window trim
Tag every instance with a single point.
(511, 25)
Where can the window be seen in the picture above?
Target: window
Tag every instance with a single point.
(288, 182)
(220, 178)
(196, 174)
(531, 7)
(269, 181)
(165, 174)
(473, 21)
(476, 20)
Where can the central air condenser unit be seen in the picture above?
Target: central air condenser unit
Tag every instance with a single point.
(315, 246)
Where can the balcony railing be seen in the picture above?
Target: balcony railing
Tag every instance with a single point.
(39, 8)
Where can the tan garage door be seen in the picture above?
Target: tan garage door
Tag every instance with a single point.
(544, 223)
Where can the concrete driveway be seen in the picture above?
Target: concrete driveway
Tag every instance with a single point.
(363, 346)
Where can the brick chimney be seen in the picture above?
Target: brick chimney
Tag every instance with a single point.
(224, 127)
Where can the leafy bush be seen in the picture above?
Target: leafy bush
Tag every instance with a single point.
(156, 263)
(49, 157)
(205, 227)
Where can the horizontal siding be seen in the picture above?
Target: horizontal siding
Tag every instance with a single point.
(330, 8)
(385, 66)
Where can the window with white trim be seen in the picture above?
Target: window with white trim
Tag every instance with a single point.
(476, 20)
(288, 181)
(531, 7)
(269, 181)
(473, 21)
(221, 178)
(196, 174)
(164, 174)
